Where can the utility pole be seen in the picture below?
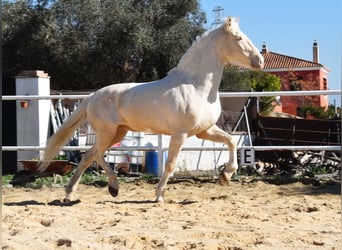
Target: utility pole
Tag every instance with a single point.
(218, 12)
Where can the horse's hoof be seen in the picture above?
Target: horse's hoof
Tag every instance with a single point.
(113, 191)
(224, 179)
(66, 200)
(159, 199)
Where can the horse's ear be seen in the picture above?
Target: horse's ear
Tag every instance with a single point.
(228, 24)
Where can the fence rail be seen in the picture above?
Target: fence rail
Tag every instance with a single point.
(222, 94)
(280, 93)
(161, 149)
(192, 148)
(38, 97)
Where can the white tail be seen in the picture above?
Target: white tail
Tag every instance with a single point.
(63, 134)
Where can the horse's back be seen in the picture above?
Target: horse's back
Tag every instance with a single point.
(104, 105)
(128, 104)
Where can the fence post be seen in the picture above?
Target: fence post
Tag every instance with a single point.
(160, 156)
(32, 115)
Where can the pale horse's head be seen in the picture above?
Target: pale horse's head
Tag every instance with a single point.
(237, 48)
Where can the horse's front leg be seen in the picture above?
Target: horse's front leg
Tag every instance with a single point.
(215, 134)
(175, 146)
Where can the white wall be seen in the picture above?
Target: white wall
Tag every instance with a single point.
(198, 160)
(32, 122)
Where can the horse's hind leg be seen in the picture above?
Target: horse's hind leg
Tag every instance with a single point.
(95, 154)
(104, 140)
(174, 149)
(86, 160)
(216, 134)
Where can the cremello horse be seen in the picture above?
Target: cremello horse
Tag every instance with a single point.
(182, 104)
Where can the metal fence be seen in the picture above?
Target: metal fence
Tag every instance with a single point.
(249, 150)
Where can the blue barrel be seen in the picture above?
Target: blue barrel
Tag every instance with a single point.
(151, 162)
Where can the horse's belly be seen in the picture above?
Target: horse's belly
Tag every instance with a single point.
(168, 113)
(148, 118)
(166, 121)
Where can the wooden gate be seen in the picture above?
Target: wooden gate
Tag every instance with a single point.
(278, 131)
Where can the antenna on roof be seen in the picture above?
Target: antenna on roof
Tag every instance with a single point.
(218, 12)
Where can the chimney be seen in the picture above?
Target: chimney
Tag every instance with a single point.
(315, 52)
(264, 48)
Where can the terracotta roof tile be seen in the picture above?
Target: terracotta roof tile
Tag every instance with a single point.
(277, 61)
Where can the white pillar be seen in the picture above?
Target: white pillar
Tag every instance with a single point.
(33, 119)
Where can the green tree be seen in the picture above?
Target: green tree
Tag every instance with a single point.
(26, 36)
(320, 112)
(89, 44)
(174, 25)
(236, 79)
(76, 26)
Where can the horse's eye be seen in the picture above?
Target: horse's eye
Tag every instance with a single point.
(239, 38)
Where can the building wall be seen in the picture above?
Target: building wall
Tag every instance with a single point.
(302, 80)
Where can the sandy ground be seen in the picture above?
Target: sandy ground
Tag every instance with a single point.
(245, 215)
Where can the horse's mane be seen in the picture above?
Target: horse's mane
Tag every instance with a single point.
(186, 63)
(194, 51)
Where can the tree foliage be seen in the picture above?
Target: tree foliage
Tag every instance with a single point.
(321, 112)
(26, 34)
(234, 79)
(92, 43)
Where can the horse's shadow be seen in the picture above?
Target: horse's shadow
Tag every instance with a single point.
(25, 203)
(128, 202)
(59, 203)
(184, 202)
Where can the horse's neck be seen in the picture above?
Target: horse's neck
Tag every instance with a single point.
(203, 64)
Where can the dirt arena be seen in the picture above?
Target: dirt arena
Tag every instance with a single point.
(196, 215)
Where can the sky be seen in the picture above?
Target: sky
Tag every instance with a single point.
(289, 27)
